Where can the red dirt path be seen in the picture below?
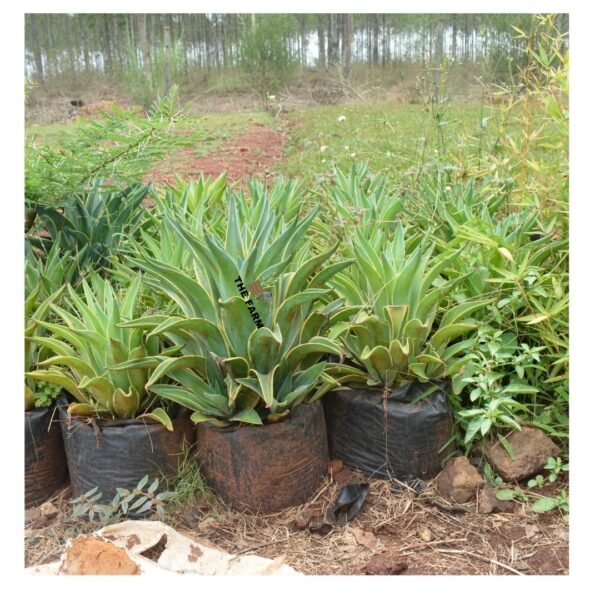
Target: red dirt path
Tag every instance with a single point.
(253, 152)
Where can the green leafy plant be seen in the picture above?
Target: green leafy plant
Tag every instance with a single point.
(120, 146)
(90, 226)
(125, 503)
(395, 295)
(555, 467)
(248, 332)
(86, 345)
(37, 305)
(495, 375)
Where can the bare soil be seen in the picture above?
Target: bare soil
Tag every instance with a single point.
(395, 532)
(253, 152)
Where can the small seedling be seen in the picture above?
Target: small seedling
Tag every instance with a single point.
(125, 503)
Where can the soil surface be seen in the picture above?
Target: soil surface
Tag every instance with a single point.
(396, 532)
(253, 152)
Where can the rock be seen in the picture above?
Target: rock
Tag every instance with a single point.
(386, 563)
(425, 534)
(190, 519)
(303, 519)
(459, 481)
(49, 511)
(488, 503)
(91, 556)
(32, 514)
(531, 448)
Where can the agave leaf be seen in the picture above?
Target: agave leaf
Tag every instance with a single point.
(179, 362)
(236, 311)
(58, 378)
(236, 367)
(396, 315)
(138, 376)
(380, 359)
(79, 367)
(300, 278)
(200, 417)
(101, 389)
(419, 370)
(247, 415)
(124, 404)
(81, 409)
(265, 385)
(210, 334)
(275, 417)
(264, 348)
(147, 322)
(317, 345)
(416, 332)
(290, 308)
(211, 405)
(159, 415)
(189, 295)
(326, 275)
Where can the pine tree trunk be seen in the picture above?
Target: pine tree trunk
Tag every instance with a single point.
(347, 45)
(321, 37)
(167, 44)
(37, 52)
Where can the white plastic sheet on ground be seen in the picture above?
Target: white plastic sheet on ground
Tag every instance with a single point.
(180, 554)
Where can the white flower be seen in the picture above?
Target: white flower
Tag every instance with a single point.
(448, 188)
(346, 147)
(341, 118)
(323, 148)
(353, 155)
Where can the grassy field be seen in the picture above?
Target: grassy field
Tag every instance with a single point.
(400, 141)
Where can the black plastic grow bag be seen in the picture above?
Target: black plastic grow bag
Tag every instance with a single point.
(412, 441)
(266, 468)
(111, 454)
(45, 461)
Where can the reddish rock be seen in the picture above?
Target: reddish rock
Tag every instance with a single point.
(459, 481)
(488, 503)
(531, 448)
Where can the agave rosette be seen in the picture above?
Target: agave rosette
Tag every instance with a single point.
(86, 344)
(232, 365)
(394, 295)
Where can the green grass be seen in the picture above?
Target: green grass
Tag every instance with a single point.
(393, 139)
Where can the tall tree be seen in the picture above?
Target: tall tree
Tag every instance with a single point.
(333, 41)
(35, 48)
(347, 45)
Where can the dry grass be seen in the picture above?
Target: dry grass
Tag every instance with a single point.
(394, 530)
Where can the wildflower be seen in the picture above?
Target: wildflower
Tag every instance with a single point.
(341, 118)
(323, 148)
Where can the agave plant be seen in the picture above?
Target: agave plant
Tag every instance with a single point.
(248, 333)
(396, 296)
(86, 344)
(44, 285)
(90, 226)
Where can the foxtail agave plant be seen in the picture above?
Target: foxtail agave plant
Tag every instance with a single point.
(248, 332)
(86, 346)
(397, 332)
